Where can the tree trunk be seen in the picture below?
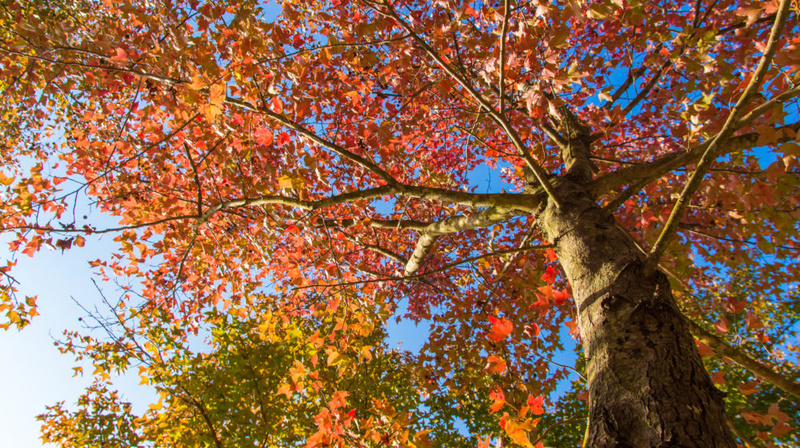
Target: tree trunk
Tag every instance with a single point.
(647, 385)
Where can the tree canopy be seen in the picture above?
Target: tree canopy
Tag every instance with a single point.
(285, 178)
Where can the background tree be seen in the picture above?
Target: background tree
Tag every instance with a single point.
(331, 155)
(326, 378)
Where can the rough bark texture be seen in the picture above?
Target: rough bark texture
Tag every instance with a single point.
(647, 385)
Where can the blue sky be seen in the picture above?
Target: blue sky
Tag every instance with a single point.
(33, 372)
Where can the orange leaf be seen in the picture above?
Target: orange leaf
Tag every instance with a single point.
(498, 400)
(536, 404)
(501, 328)
(496, 364)
(285, 390)
(216, 95)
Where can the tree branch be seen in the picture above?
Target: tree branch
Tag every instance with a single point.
(657, 168)
(338, 149)
(722, 348)
(670, 228)
(502, 82)
(429, 235)
(431, 272)
(538, 171)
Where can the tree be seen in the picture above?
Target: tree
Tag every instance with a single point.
(330, 157)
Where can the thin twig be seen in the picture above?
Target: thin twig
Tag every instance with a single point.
(502, 83)
(670, 228)
(431, 272)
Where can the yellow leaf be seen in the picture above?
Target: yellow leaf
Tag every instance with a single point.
(285, 182)
(5, 180)
(334, 357)
(156, 406)
(516, 433)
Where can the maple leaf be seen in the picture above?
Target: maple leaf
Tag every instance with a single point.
(498, 400)
(495, 364)
(722, 325)
(263, 136)
(536, 404)
(501, 328)
(549, 275)
(344, 158)
(748, 388)
(518, 434)
(120, 56)
(532, 330)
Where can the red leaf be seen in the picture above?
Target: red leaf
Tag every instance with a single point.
(752, 321)
(284, 138)
(277, 105)
(704, 349)
(549, 275)
(119, 56)
(560, 296)
(263, 136)
(536, 404)
(501, 328)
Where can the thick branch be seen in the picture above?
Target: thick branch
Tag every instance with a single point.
(576, 150)
(669, 162)
(421, 251)
(456, 224)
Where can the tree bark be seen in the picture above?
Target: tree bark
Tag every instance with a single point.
(647, 385)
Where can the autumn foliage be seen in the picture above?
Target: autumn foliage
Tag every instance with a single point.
(281, 180)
